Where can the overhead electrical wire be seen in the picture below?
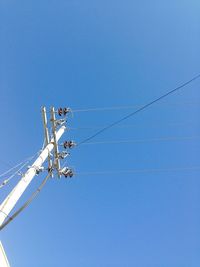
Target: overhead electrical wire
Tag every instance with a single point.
(157, 139)
(195, 168)
(22, 164)
(6, 181)
(139, 109)
(128, 107)
(16, 166)
(120, 172)
(129, 126)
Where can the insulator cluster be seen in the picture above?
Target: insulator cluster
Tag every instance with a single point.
(63, 111)
(67, 172)
(68, 144)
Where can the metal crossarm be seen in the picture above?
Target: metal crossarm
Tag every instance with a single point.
(55, 142)
(46, 134)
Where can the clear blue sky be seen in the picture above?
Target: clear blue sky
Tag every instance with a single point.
(89, 54)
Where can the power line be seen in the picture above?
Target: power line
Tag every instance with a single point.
(196, 168)
(129, 126)
(5, 182)
(140, 109)
(159, 139)
(16, 166)
(113, 108)
(25, 161)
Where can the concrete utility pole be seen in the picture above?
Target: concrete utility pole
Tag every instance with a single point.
(51, 144)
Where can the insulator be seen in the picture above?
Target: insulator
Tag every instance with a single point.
(60, 111)
(4, 182)
(66, 110)
(38, 170)
(67, 172)
(60, 122)
(69, 144)
(50, 169)
(63, 155)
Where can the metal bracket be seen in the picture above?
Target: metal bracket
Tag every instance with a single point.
(55, 143)
(46, 134)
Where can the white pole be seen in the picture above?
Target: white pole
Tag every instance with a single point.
(11, 200)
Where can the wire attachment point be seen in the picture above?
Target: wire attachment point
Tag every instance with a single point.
(69, 144)
(63, 111)
(60, 122)
(38, 170)
(63, 155)
(67, 172)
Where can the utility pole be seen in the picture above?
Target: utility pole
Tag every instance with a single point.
(50, 152)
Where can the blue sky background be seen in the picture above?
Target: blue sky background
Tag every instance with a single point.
(90, 54)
